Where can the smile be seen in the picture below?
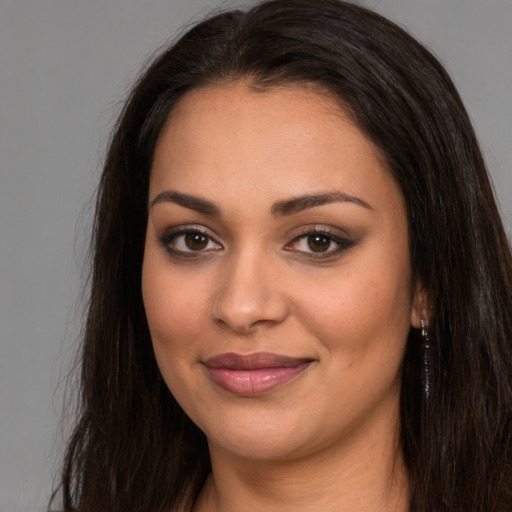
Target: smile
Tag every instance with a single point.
(254, 374)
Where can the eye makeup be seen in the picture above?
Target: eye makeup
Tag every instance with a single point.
(190, 241)
(314, 243)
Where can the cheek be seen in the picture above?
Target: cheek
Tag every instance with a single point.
(164, 307)
(175, 317)
(175, 311)
(363, 309)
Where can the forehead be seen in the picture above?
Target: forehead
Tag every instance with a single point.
(281, 141)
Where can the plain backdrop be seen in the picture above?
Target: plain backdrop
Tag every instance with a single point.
(65, 66)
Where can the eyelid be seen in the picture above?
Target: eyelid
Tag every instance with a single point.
(342, 240)
(336, 235)
(321, 229)
(172, 233)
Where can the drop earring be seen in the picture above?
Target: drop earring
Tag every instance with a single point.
(426, 366)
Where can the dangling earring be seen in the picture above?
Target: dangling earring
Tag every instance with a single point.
(426, 365)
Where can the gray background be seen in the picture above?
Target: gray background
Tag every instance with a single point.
(64, 67)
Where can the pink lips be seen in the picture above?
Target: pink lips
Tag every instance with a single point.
(254, 374)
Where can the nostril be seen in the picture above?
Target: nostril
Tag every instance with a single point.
(243, 311)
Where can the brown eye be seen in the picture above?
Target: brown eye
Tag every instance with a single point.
(196, 241)
(319, 243)
(189, 241)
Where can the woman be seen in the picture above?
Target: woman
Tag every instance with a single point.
(302, 290)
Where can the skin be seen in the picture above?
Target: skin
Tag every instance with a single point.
(328, 439)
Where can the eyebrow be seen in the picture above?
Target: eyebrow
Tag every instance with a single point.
(279, 209)
(299, 204)
(188, 201)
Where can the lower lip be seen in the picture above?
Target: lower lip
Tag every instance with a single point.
(257, 381)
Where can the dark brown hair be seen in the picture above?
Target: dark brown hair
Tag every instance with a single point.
(133, 447)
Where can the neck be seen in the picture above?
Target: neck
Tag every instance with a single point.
(369, 475)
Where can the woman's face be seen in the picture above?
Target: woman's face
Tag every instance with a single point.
(276, 275)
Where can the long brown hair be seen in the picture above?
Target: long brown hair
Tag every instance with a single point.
(133, 447)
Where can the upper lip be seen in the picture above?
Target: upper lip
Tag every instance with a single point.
(255, 361)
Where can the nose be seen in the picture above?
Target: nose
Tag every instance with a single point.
(249, 294)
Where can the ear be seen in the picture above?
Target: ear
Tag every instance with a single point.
(421, 308)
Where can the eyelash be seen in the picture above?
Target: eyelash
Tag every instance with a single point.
(321, 232)
(171, 237)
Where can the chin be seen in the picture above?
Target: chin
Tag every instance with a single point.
(261, 437)
(258, 447)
